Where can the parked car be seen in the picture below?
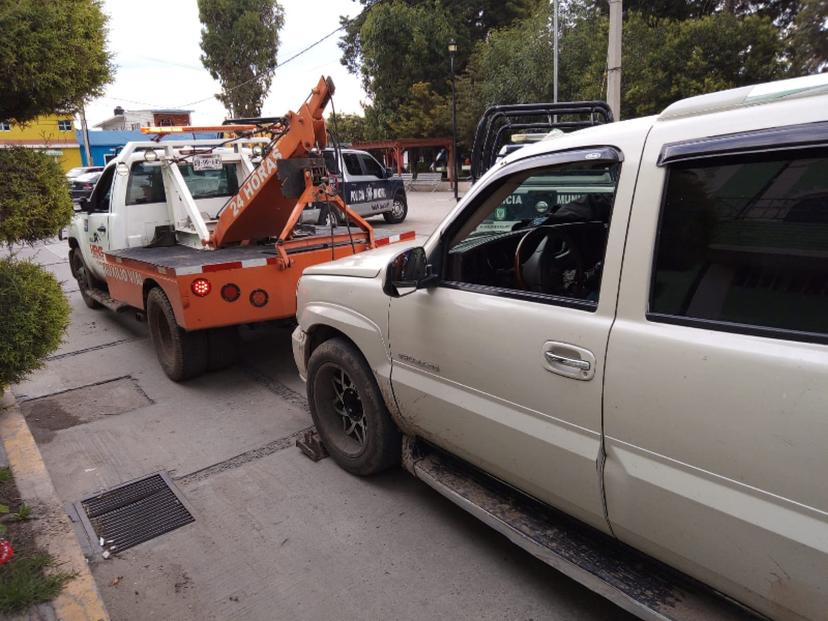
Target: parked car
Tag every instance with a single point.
(366, 187)
(631, 385)
(81, 170)
(82, 185)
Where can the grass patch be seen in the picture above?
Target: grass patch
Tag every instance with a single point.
(29, 580)
(32, 576)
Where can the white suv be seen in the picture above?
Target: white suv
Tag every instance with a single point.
(647, 354)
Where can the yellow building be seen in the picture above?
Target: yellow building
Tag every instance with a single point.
(53, 134)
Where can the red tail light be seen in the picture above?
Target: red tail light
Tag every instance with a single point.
(201, 287)
(258, 297)
(230, 292)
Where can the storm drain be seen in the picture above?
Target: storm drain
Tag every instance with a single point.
(133, 513)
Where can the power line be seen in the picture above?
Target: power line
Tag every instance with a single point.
(255, 78)
(279, 66)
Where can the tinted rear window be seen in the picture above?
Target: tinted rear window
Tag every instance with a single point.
(745, 241)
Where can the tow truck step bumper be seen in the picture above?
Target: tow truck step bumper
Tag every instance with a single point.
(104, 300)
(636, 583)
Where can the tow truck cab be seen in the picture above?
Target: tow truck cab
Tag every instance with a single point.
(129, 206)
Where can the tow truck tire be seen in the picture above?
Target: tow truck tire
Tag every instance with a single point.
(343, 394)
(223, 345)
(399, 210)
(182, 354)
(83, 277)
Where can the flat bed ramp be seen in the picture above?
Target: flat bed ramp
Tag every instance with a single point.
(636, 583)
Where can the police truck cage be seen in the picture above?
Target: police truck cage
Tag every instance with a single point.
(499, 123)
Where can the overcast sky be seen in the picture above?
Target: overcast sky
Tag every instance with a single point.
(155, 47)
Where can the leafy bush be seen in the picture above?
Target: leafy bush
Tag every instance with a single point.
(55, 55)
(34, 315)
(34, 196)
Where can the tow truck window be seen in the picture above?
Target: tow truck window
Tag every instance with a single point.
(372, 167)
(146, 182)
(99, 200)
(145, 185)
(210, 183)
(542, 235)
(743, 246)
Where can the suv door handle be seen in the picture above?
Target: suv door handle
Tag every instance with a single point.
(102, 229)
(575, 363)
(568, 360)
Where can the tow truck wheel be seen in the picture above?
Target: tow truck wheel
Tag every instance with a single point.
(80, 273)
(348, 410)
(399, 209)
(182, 354)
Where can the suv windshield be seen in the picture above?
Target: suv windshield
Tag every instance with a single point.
(542, 196)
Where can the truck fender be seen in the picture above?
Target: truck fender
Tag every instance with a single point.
(325, 320)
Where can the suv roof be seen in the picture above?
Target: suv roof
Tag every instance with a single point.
(345, 150)
(744, 96)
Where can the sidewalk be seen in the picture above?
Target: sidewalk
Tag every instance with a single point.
(80, 600)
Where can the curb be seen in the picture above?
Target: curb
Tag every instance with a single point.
(79, 600)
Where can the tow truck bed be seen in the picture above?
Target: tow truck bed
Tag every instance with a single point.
(183, 260)
(233, 285)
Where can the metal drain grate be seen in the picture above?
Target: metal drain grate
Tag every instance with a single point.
(135, 512)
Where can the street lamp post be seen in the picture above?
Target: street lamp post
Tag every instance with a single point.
(452, 48)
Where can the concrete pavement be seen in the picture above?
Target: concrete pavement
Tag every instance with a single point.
(276, 536)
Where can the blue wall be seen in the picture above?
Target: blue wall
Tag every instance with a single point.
(104, 143)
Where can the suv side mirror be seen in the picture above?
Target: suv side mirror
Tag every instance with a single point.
(389, 172)
(83, 204)
(407, 272)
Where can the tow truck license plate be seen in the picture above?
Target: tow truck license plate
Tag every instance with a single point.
(206, 162)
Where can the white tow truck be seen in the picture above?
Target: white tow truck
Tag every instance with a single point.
(199, 239)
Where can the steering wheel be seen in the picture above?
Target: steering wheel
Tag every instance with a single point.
(555, 253)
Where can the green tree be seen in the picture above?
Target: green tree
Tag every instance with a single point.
(424, 113)
(35, 314)
(808, 42)
(396, 44)
(52, 55)
(678, 59)
(511, 66)
(664, 60)
(239, 41)
(34, 202)
(471, 21)
(349, 127)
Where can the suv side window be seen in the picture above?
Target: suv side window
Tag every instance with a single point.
(352, 163)
(743, 245)
(541, 235)
(372, 167)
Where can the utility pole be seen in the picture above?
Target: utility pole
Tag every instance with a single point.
(614, 59)
(452, 48)
(85, 134)
(555, 51)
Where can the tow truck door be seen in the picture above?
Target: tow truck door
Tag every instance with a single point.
(98, 221)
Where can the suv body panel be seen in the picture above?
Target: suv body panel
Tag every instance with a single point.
(719, 478)
(707, 446)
